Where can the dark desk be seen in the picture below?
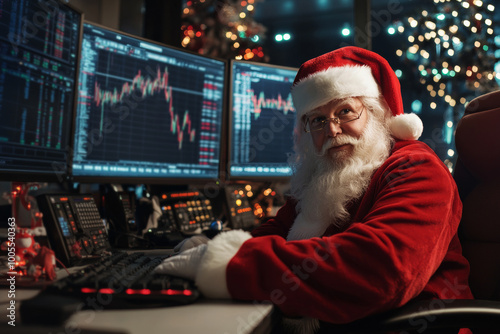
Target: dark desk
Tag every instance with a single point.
(204, 316)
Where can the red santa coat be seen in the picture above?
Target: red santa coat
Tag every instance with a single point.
(401, 245)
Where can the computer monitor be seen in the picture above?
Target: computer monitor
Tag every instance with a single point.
(262, 119)
(146, 112)
(39, 46)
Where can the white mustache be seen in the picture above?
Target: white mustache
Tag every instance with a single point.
(338, 141)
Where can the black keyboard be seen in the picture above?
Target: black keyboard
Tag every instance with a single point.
(121, 280)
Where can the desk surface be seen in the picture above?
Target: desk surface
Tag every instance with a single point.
(203, 316)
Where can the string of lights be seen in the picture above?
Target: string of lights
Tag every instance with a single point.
(453, 46)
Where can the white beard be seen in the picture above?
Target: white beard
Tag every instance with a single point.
(324, 185)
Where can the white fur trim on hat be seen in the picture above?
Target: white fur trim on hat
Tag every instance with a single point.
(333, 83)
(211, 274)
(406, 127)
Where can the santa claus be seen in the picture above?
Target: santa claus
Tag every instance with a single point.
(372, 218)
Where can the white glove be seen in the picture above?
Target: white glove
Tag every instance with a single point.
(184, 264)
(189, 243)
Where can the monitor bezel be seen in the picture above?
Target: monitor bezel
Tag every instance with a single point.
(173, 180)
(54, 175)
(228, 161)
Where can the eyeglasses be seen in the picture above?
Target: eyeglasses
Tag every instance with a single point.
(319, 123)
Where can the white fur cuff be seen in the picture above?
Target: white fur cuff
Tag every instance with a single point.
(211, 275)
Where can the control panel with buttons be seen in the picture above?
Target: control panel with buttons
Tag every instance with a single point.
(75, 229)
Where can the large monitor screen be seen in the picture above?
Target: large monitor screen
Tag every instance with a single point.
(39, 43)
(146, 112)
(262, 118)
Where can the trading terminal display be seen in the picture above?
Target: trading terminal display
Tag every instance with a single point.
(39, 43)
(145, 110)
(262, 120)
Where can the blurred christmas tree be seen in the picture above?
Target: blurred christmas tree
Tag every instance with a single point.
(452, 50)
(223, 28)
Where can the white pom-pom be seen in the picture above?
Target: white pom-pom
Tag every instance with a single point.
(406, 127)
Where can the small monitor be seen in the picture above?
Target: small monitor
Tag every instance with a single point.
(39, 46)
(262, 119)
(146, 112)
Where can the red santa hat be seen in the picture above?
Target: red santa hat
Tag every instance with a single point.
(351, 72)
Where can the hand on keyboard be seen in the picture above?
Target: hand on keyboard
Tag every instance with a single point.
(184, 264)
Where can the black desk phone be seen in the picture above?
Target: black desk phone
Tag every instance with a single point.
(75, 229)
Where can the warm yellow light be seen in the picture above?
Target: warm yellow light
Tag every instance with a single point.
(429, 24)
(433, 105)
